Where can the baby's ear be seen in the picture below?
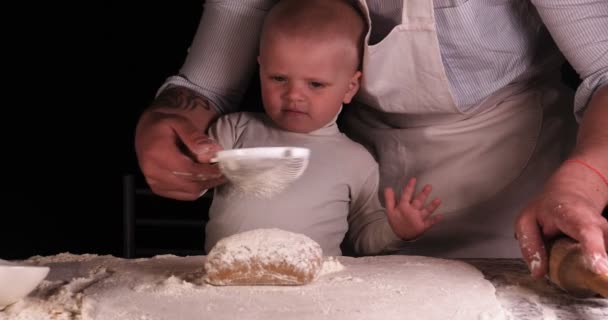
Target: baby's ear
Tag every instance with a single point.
(353, 87)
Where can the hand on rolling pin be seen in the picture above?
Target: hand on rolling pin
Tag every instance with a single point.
(567, 206)
(568, 270)
(409, 218)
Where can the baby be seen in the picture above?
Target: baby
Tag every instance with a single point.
(310, 55)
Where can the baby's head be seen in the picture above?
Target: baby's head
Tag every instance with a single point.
(310, 53)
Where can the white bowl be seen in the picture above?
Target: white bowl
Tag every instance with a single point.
(17, 281)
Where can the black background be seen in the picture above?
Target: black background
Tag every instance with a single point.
(79, 79)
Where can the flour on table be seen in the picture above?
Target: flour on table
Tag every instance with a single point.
(170, 287)
(57, 300)
(63, 257)
(331, 265)
(525, 298)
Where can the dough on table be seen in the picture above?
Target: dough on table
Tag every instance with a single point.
(264, 257)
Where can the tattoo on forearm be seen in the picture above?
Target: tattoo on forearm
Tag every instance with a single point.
(179, 98)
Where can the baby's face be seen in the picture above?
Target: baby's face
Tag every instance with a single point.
(304, 84)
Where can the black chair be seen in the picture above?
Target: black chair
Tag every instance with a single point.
(153, 225)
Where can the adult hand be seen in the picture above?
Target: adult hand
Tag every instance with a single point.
(409, 218)
(568, 205)
(174, 156)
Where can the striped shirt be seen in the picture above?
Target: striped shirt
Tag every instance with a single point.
(485, 45)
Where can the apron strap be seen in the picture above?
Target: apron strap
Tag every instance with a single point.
(418, 12)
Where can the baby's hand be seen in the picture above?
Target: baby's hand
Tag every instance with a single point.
(410, 218)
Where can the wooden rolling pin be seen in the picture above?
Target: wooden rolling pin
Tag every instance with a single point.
(568, 271)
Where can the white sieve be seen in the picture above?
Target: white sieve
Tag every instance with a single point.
(262, 172)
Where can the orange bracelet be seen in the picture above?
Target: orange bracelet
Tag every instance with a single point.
(590, 167)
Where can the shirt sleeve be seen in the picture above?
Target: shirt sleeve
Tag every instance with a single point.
(228, 129)
(222, 57)
(369, 229)
(580, 29)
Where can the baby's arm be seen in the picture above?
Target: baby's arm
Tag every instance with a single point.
(375, 230)
(369, 230)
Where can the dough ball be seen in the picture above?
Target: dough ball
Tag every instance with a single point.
(264, 257)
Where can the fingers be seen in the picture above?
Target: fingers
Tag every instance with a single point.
(408, 221)
(198, 172)
(531, 244)
(206, 149)
(172, 155)
(184, 166)
(200, 145)
(593, 245)
(421, 197)
(392, 213)
(430, 208)
(417, 203)
(186, 184)
(432, 221)
(389, 199)
(408, 191)
(591, 233)
(426, 214)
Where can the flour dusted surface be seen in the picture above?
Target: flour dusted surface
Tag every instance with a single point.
(525, 298)
(171, 287)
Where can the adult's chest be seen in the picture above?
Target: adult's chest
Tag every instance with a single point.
(451, 16)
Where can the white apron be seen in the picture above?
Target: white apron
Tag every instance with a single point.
(483, 165)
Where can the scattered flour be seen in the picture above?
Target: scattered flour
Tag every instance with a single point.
(331, 265)
(169, 287)
(62, 257)
(384, 287)
(525, 298)
(535, 262)
(55, 300)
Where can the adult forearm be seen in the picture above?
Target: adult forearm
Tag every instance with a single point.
(573, 199)
(184, 102)
(592, 141)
